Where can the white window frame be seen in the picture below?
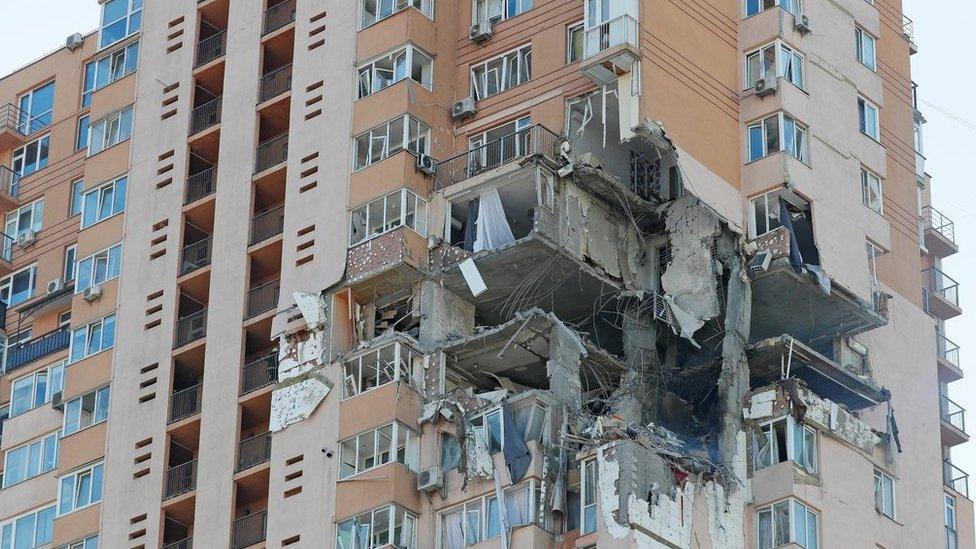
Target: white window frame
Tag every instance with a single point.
(380, 144)
(367, 211)
(89, 330)
(25, 122)
(496, 10)
(104, 257)
(792, 6)
(118, 64)
(403, 356)
(99, 413)
(499, 69)
(781, 538)
(792, 441)
(952, 535)
(96, 475)
(873, 252)
(388, 8)
(404, 57)
(110, 131)
(8, 529)
(42, 465)
(382, 453)
(866, 48)
(6, 285)
(390, 510)
(871, 184)
(767, 199)
(585, 489)
(132, 18)
(884, 493)
(788, 62)
(97, 195)
(480, 508)
(798, 148)
(90, 542)
(571, 30)
(53, 383)
(41, 145)
(70, 271)
(864, 106)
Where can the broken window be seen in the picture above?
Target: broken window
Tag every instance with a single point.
(450, 452)
(377, 10)
(774, 60)
(397, 209)
(884, 494)
(756, 6)
(499, 145)
(371, 449)
(531, 420)
(588, 480)
(779, 132)
(645, 175)
(479, 519)
(766, 213)
(406, 62)
(871, 191)
(488, 428)
(375, 368)
(387, 139)
(785, 440)
(788, 521)
(384, 526)
(874, 252)
(501, 73)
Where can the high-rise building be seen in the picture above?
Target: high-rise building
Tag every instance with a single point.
(493, 273)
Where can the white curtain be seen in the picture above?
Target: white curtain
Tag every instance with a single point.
(492, 226)
(453, 532)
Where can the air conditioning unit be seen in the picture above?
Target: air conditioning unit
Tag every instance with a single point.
(55, 285)
(26, 238)
(480, 32)
(802, 23)
(74, 41)
(463, 108)
(57, 400)
(430, 480)
(766, 86)
(93, 292)
(426, 164)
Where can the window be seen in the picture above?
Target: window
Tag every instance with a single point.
(884, 494)
(786, 440)
(450, 452)
(377, 10)
(376, 368)
(499, 145)
(407, 62)
(93, 338)
(479, 519)
(84, 411)
(10, 344)
(392, 442)
(36, 389)
(773, 60)
(755, 6)
(574, 42)
(110, 131)
(23, 220)
(98, 268)
(788, 521)
(868, 115)
(84, 126)
(109, 68)
(588, 484)
(871, 191)
(30, 460)
(874, 253)
(64, 319)
(390, 525)
(19, 287)
(397, 209)
(33, 529)
(952, 537)
(103, 202)
(489, 430)
(36, 109)
(498, 10)
(501, 73)
(77, 189)
(120, 19)
(32, 156)
(864, 48)
(80, 489)
(69, 262)
(385, 140)
(779, 132)
(91, 542)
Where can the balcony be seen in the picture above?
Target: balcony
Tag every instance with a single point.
(262, 298)
(941, 294)
(267, 224)
(185, 403)
(272, 152)
(955, 478)
(13, 132)
(186, 543)
(253, 451)
(938, 233)
(259, 373)
(275, 83)
(205, 116)
(9, 187)
(181, 479)
(948, 359)
(250, 529)
(278, 16)
(37, 348)
(200, 184)
(195, 256)
(908, 31)
(610, 48)
(211, 48)
(534, 141)
(953, 418)
(190, 328)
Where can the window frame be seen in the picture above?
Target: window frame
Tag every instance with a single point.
(409, 51)
(426, 7)
(589, 463)
(7, 282)
(27, 126)
(800, 138)
(864, 55)
(482, 507)
(521, 56)
(53, 383)
(114, 185)
(380, 136)
(782, 53)
(403, 368)
(40, 161)
(419, 224)
(88, 330)
(411, 449)
(110, 135)
(571, 30)
(9, 527)
(101, 407)
(90, 542)
(795, 4)
(110, 61)
(42, 444)
(793, 429)
(91, 278)
(76, 487)
(482, 16)
(133, 11)
(884, 494)
(391, 510)
(792, 505)
(872, 182)
(863, 106)
(83, 132)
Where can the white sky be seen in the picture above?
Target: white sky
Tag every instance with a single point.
(32, 28)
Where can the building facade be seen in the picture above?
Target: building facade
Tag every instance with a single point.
(520, 273)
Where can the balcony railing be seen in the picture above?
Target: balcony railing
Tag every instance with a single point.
(259, 373)
(253, 451)
(185, 402)
(181, 479)
(201, 184)
(205, 116)
(955, 478)
(37, 348)
(278, 16)
(622, 29)
(15, 120)
(7, 245)
(272, 152)
(190, 328)
(267, 224)
(275, 83)
(948, 350)
(935, 220)
(9, 182)
(250, 529)
(535, 140)
(953, 414)
(941, 284)
(3, 324)
(262, 298)
(211, 48)
(908, 29)
(196, 256)
(186, 543)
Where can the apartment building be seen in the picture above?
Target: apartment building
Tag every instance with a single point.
(64, 129)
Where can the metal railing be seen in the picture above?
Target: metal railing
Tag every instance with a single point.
(185, 402)
(955, 478)
(253, 451)
(908, 29)
(272, 152)
(278, 16)
(201, 184)
(186, 543)
(190, 328)
(211, 48)
(262, 298)
(37, 348)
(935, 220)
(259, 373)
(13, 119)
(937, 282)
(7, 246)
(535, 140)
(205, 116)
(250, 529)
(9, 182)
(952, 413)
(622, 29)
(195, 256)
(267, 224)
(948, 350)
(3, 326)
(275, 83)
(181, 479)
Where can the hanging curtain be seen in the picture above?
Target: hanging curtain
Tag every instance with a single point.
(492, 226)
(453, 532)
